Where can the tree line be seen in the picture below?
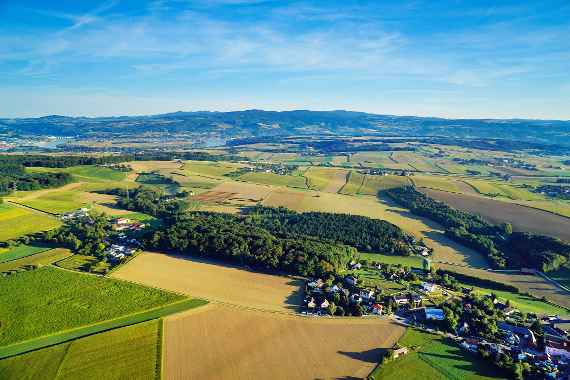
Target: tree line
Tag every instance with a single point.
(14, 177)
(499, 243)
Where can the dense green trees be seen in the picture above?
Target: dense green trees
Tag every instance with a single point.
(85, 235)
(13, 177)
(232, 238)
(365, 234)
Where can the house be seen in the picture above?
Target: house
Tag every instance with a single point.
(355, 298)
(325, 304)
(311, 304)
(317, 284)
(428, 287)
(334, 289)
(366, 295)
(432, 314)
(416, 300)
(350, 280)
(522, 332)
(400, 300)
(400, 352)
(377, 309)
(356, 266)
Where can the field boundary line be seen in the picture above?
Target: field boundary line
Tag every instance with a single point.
(35, 210)
(160, 353)
(95, 328)
(552, 281)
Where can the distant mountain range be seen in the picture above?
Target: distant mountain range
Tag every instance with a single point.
(254, 123)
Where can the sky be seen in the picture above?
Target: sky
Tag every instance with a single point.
(448, 58)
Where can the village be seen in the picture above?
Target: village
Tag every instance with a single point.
(478, 323)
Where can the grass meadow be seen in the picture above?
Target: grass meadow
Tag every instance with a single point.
(48, 300)
(38, 259)
(20, 251)
(432, 357)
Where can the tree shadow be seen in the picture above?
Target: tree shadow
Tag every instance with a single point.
(369, 356)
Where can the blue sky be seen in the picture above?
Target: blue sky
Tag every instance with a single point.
(447, 58)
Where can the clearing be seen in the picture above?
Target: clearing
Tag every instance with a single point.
(272, 346)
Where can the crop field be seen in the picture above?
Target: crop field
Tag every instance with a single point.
(494, 188)
(240, 191)
(19, 252)
(48, 300)
(209, 169)
(17, 221)
(275, 179)
(435, 358)
(522, 218)
(126, 353)
(371, 184)
(561, 276)
(38, 259)
(436, 182)
(286, 198)
(558, 207)
(213, 281)
(301, 348)
(324, 179)
(534, 285)
(161, 166)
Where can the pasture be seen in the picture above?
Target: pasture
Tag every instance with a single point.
(20, 251)
(522, 218)
(47, 300)
(129, 352)
(407, 261)
(213, 281)
(434, 357)
(84, 263)
(17, 221)
(38, 259)
(87, 173)
(300, 348)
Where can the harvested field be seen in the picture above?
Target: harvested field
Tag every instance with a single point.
(285, 198)
(147, 166)
(522, 218)
(274, 179)
(213, 281)
(245, 190)
(214, 196)
(269, 346)
(325, 179)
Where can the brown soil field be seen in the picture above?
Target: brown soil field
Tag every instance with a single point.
(214, 196)
(522, 218)
(221, 342)
(214, 281)
(532, 284)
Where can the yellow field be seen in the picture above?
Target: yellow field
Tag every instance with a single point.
(209, 169)
(17, 221)
(213, 281)
(325, 179)
(221, 342)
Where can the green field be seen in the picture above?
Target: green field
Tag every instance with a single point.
(127, 353)
(48, 300)
(209, 169)
(85, 264)
(436, 182)
(371, 184)
(434, 357)
(370, 278)
(42, 258)
(407, 261)
(16, 221)
(274, 179)
(21, 251)
(524, 303)
(55, 202)
(87, 173)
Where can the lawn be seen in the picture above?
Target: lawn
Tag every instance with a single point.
(42, 258)
(127, 353)
(21, 251)
(434, 357)
(48, 300)
(370, 277)
(16, 221)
